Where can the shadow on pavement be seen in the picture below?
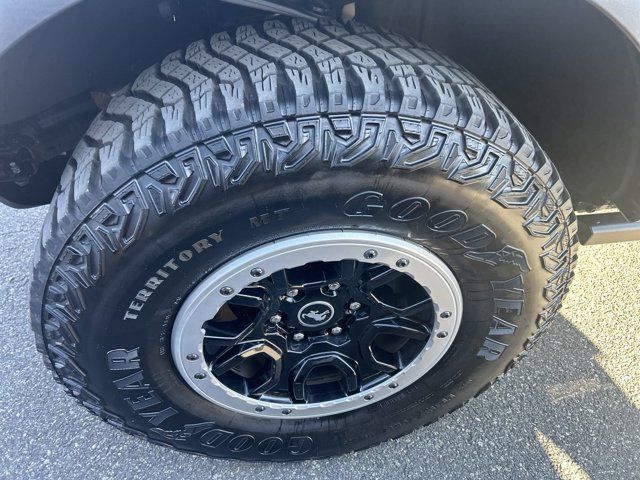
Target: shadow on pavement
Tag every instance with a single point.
(556, 415)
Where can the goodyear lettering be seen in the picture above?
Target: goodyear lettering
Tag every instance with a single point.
(209, 435)
(141, 398)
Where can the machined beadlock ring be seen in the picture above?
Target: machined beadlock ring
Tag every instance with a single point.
(317, 331)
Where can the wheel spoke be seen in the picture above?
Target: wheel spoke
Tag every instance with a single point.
(408, 311)
(251, 297)
(322, 369)
(349, 271)
(240, 318)
(246, 300)
(223, 334)
(267, 356)
(219, 337)
(382, 278)
(402, 329)
(280, 281)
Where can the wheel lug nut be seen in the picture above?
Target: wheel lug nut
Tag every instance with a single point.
(226, 291)
(292, 293)
(193, 356)
(355, 306)
(275, 319)
(333, 286)
(298, 337)
(401, 263)
(445, 314)
(369, 254)
(336, 331)
(257, 272)
(200, 376)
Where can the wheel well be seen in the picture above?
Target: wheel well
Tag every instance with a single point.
(58, 73)
(568, 73)
(564, 69)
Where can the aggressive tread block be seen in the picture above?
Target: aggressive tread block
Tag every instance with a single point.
(236, 95)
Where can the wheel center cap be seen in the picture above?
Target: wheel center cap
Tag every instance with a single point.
(315, 314)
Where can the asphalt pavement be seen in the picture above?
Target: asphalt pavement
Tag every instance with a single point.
(570, 409)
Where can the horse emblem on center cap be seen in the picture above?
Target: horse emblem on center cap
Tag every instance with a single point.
(314, 314)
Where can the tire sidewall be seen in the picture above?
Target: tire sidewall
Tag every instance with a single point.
(457, 222)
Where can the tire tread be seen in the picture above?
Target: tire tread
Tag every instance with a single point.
(262, 74)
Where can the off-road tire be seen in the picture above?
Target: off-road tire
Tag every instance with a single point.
(271, 130)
